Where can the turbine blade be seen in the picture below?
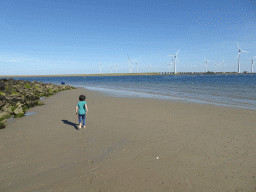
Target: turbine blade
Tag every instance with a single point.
(238, 46)
(177, 59)
(237, 55)
(177, 52)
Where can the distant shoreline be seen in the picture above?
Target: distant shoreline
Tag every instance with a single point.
(117, 74)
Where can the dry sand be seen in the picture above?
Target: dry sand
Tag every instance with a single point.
(129, 144)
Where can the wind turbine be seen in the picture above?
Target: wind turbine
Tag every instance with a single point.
(116, 68)
(170, 66)
(193, 68)
(175, 57)
(216, 67)
(206, 65)
(100, 68)
(137, 67)
(252, 64)
(239, 57)
(129, 63)
(149, 68)
(222, 64)
(111, 69)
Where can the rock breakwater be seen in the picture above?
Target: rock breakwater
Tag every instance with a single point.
(17, 96)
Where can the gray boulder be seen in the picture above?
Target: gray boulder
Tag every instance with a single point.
(3, 114)
(18, 110)
(7, 108)
(2, 103)
(2, 86)
(2, 126)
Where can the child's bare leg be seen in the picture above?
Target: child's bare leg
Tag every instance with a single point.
(80, 126)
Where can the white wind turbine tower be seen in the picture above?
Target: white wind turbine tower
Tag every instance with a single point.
(216, 67)
(222, 64)
(170, 66)
(193, 66)
(129, 63)
(175, 56)
(206, 65)
(149, 68)
(137, 67)
(239, 57)
(252, 64)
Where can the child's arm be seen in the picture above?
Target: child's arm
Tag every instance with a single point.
(76, 109)
(86, 108)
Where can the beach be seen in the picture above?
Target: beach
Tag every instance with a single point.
(129, 144)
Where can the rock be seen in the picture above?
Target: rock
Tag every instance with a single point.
(4, 114)
(20, 93)
(3, 121)
(2, 103)
(18, 110)
(2, 86)
(32, 97)
(30, 103)
(2, 125)
(63, 86)
(16, 99)
(39, 103)
(3, 93)
(7, 108)
(18, 104)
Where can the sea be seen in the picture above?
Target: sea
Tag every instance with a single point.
(231, 90)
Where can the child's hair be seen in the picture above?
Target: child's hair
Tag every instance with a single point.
(82, 98)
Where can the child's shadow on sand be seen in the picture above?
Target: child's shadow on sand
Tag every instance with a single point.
(70, 123)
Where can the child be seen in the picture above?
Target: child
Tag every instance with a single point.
(83, 109)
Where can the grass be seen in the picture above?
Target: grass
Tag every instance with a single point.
(12, 108)
(25, 108)
(19, 115)
(15, 93)
(39, 103)
(27, 86)
(2, 118)
(36, 87)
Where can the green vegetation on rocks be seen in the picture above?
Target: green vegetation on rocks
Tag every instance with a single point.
(17, 96)
(19, 115)
(27, 86)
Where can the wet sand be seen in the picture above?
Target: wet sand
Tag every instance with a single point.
(129, 144)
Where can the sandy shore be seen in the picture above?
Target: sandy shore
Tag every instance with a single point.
(129, 144)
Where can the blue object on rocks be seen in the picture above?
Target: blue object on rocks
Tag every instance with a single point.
(62, 83)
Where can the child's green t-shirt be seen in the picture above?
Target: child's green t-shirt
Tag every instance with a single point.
(81, 107)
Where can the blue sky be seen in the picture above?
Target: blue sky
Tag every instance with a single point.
(74, 37)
